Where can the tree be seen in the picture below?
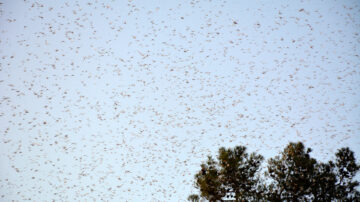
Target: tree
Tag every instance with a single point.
(346, 169)
(323, 186)
(233, 175)
(298, 177)
(194, 198)
(208, 181)
(293, 176)
(239, 173)
(292, 173)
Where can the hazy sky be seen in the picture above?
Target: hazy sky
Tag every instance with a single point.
(122, 100)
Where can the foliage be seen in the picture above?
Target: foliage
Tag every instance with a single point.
(194, 198)
(234, 174)
(346, 169)
(291, 176)
(208, 181)
(293, 173)
(238, 172)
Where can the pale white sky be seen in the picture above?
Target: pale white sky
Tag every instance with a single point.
(122, 100)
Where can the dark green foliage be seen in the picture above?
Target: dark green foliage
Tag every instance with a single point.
(293, 173)
(298, 177)
(292, 176)
(323, 186)
(346, 169)
(194, 198)
(238, 172)
(209, 182)
(234, 173)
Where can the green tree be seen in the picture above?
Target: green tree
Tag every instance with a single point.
(298, 177)
(293, 176)
(209, 182)
(346, 169)
(292, 173)
(194, 198)
(335, 181)
(235, 174)
(323, 186)
(239, 173)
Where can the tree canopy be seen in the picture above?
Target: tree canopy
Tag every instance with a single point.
(293, 175)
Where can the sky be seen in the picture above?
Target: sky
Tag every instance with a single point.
(123, 100)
